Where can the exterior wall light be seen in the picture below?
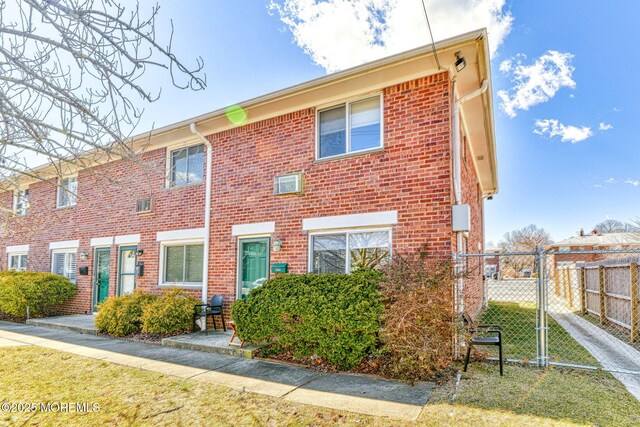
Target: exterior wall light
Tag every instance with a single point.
(460, 63)
(140, 252)
(276, 246)
(84, 255)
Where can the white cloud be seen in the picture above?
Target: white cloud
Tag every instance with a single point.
(339, 34)
(537, 82)
(552, 128)
(599, 186)
(604, 126)
(634, 182)
(611, 181)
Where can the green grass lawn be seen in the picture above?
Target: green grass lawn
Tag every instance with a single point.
(518, 322)
(129, 396)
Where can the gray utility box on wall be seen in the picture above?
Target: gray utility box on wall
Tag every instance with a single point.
(460, 218)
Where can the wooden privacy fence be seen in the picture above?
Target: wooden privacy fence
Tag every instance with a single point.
(609, 291)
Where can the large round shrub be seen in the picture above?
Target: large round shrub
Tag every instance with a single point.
(40, 292)
(172, 313)
(122, 315)
(332, 316)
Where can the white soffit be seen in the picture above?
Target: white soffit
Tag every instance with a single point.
(18, 248)
(255, 228)
(351, 221)
(65, 244)
(188, 234)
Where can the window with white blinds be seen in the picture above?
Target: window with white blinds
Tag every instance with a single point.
(64, 264)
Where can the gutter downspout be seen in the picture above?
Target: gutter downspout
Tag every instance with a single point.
(457, 181)
(207, 215)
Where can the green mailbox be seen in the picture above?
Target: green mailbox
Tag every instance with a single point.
(279, 267)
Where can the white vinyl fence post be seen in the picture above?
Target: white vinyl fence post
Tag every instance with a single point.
(541, 308)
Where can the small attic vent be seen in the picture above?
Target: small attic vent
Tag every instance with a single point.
(288, 184)
(143, 205)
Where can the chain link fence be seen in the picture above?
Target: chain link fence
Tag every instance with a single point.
(578, 309)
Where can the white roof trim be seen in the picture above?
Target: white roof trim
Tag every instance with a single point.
(255, 228)
(127, 239)
(190, 233)
(101, 241)
(65, 244)
(17, 248)
(351, 221)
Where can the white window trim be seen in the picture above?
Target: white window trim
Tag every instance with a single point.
(101, 241)
(370, 219)
(65, 244)
(17, 248)
(347, 104)
(16, 253)
(256, 228)
(59, 189)
(128, 239)
(181, 146)
(182, 285)
(16, 197)
(346, 232)
(65, 251)
(181, 235)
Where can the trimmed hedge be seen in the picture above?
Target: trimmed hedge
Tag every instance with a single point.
(172, 313)
(41, 292)
(333, 316)
(122, 315)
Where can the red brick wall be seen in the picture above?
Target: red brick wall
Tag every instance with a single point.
(412, 175)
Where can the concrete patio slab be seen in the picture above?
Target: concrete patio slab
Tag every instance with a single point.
(83, 323)
(212, 341)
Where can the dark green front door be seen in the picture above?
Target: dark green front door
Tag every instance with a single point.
(253, 268)
(101, 275)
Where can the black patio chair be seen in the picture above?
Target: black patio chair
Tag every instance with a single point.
(213, 308)
(482, 335)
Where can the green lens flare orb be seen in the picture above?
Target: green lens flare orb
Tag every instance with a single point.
(236, 115)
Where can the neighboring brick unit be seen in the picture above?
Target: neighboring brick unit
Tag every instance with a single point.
(408, 178)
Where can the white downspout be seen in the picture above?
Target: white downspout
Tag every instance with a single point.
(207, 214)
(457, 174)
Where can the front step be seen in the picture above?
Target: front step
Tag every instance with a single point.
(210, 342)
(82, 323)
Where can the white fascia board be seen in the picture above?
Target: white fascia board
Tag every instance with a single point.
(128, 239)
(255, 228)
(66, 244)
(17, 248)
(350, 221)
(101, 241)
(188, 234)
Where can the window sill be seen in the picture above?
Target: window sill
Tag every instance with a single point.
(178, 187)
(346, 155)
(194, 286)
(59, 208)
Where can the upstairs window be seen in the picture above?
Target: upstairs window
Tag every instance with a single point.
(18, 262)
(67, 192)
(64, 264)
(350, 128)
(21, 202)
(186, 166)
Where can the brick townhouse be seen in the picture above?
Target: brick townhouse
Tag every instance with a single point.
(326, 176)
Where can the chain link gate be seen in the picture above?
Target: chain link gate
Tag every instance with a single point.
(576, 309)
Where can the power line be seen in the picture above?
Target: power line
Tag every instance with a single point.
(433, 43)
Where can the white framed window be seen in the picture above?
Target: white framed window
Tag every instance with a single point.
(186, 166)
(21, 201)
(351, 127)
(17, 261)
(63, 263)
(181, 263)
(67, 192)
(347, 251)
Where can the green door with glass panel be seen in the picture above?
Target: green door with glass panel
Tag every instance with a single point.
(101, 275)
(127, 269)
(253, 265)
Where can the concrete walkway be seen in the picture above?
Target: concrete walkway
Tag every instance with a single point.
(613, 354)
(355, 393)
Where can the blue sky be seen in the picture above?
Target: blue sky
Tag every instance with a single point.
(250, 49)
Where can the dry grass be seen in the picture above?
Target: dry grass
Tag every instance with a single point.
(129, 396)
